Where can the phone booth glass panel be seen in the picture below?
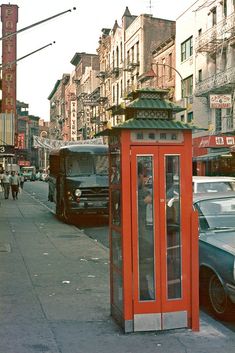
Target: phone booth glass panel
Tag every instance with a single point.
(173, 227)
(145, 246)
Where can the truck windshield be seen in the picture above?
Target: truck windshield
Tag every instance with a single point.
(86, 164)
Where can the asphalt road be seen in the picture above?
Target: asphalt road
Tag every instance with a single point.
(96, 228)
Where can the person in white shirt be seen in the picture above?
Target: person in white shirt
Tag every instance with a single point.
(6, 184)
(15, 182)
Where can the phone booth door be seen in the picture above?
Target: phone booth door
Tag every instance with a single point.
(161, 245)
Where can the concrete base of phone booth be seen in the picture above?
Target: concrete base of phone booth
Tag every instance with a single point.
(160, 321)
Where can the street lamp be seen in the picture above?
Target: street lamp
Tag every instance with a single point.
(183, 83)
(173, 68)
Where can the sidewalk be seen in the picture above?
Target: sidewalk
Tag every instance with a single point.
(54, 293)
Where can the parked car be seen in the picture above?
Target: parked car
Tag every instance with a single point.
(217, 251)
(213, 184)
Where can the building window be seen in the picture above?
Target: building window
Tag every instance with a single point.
(187, 87)
(137, 52)
(229, 119)
(214, 16)
(200, 75)
(182, 118)
(224, 59)
(121, 53)
(187, 49)
(113, 94)
(117, 94)
(128, 88)
(170, 65)
(218, 119)
(199, 32)
(121, 89)
(225, 10)
(117, 57)
(132, 55)
(113, 59)
(128, 56)
(189, 117)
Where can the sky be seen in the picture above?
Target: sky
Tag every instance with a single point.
(75, 31)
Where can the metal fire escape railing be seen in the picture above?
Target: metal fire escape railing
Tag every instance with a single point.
(214, 41)
(216, 36)
(222, 80)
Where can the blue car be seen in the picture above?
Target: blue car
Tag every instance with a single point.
(217, 252)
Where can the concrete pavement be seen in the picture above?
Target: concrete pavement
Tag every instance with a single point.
(54, 293)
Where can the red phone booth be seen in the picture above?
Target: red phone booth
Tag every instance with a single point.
(153, 229)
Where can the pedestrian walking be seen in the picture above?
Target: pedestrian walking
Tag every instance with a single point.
(14, 182)
(6, 184)
(1, 178)
(21, 181)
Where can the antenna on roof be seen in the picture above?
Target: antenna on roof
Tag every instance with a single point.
(150, 7)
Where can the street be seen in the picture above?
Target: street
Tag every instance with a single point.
(97, 229)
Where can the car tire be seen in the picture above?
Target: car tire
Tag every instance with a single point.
(219, 301)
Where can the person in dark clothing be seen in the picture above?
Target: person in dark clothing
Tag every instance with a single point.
(21, 181)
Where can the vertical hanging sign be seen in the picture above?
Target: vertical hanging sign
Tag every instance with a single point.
(73, 120)
(9, 18)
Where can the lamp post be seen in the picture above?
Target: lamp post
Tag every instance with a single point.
(183, 84)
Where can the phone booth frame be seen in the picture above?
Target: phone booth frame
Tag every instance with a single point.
(150, 138)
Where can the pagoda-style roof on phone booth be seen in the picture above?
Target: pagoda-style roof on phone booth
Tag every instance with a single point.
(148, 108)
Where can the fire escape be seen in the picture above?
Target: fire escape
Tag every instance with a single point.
(213, 43)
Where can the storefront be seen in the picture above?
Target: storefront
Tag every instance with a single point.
(214, 155)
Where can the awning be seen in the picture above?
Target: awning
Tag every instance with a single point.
(213, 155)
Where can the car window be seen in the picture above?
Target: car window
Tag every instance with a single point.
(216, 213)
(220, 186)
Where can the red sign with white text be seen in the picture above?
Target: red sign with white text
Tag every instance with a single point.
(9, 18)
(21, 141)
(217, 141)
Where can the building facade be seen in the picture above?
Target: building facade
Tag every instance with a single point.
(125, 55)
(205, 56)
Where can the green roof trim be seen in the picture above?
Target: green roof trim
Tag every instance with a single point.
(160, 124)
(212, 155)
(148, 124)
(137, 92)
(151, 103)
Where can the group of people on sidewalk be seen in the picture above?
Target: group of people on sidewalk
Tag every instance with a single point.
(11, 181)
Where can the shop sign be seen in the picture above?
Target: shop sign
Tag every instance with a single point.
(21, 141)
(217, 141)
(24, 163)
(90, 102)
(73, 120)
(220, 101)
(7, 149)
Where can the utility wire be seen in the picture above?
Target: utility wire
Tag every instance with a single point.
(25, 56)
(35, 24)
